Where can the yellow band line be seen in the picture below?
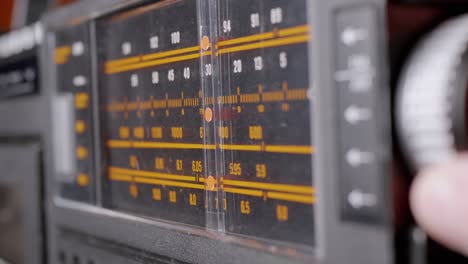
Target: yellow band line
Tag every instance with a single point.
(250, 38)
(170, 183)
(119, 144)
(157, 55)
(306, 199)
(141, 65)
(270, 148)
(112, 65)
(293, 31)
(170, 53)
(291, 95)
(120, 177)
(128, 178)
(120, 62)
(135, 66)
(306, 150)
(256, 193)
(170, 145)
(271, 186)
(151, 174)
(264, 36)
(240, 147)
(266, 44)
(289, 149)
(156, 145)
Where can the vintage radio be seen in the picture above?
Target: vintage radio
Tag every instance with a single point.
(232, 131)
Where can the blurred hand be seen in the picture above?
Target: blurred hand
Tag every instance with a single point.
(439, 201)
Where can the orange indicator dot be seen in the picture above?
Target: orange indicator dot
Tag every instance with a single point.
(81, 100)
(133, 190)
(83, 179)
(208, 114)
(210, 183)
(205, 43)
(82, 152)
(261, 108)
(80, 126)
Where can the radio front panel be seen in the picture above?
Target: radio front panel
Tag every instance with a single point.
(204, 119)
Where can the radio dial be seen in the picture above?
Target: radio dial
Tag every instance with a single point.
(431, 101)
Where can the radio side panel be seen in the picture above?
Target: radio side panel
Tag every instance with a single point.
(347, 31)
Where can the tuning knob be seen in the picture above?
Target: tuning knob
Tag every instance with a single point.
(431, 98)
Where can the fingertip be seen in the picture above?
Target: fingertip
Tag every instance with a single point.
(430, 191)
(438, 201)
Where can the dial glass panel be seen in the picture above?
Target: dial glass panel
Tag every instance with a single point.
(209, 128)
